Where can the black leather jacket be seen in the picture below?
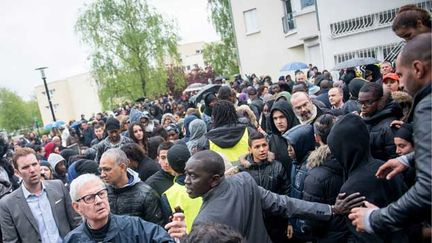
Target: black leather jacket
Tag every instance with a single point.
(415, 205)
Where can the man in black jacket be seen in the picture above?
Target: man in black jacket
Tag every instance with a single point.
(270, 175)
(239, 202)
(126, 192)
(90, 200)
(359, 169)
(414, 68)
(378, 111)
(282, 118)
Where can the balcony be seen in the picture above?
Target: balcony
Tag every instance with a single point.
(369, 22)
(288, 23)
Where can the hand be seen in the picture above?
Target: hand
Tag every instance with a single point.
(177, 228)
(390, 169)
(357, 216)
(396, 123)
(290, 231)
(344, 204)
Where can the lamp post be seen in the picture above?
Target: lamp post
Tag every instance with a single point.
(41, 69)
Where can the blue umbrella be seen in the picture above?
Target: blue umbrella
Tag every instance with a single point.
(58, 124)
(76, 124)
(292, 66)
(49, 126)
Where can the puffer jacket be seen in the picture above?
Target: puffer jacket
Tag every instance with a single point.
(123, 228)
(270, 175)
(381, 134)
(415, 205)
(322, 184)
(136, 198)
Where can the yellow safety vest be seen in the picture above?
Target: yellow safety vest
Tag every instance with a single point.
(178, 197)
(233, 153)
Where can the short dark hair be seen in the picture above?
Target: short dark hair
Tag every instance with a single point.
(214, 163)
(323, 125)
(164, 146)
(133, 151)
(374, 88)
(214, 233)
(418, 48)
(408, 17)
(254, 136)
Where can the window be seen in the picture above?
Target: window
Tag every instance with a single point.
(306, 3)
(288, 22)
(251, 21)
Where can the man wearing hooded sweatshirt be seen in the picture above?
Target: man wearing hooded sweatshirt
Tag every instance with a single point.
(301, 142)
(127, 194)
(359, 169)
(282, 118)
(378, 111)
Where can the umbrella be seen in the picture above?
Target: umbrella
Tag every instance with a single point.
(75, 124)
(194, 87)
(355, 62)
(58, 124)
(52, 125)
(209, 88)
(292, 66)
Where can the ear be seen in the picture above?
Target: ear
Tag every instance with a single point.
(75, 206)
(215, 180)
(418, 69)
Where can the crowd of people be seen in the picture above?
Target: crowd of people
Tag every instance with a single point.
(304, 159)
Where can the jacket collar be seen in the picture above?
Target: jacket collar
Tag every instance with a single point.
(417, 98)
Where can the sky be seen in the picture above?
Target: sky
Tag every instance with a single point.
(41, 33)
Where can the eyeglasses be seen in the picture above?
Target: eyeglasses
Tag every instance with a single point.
(367, 102)
(90, 198)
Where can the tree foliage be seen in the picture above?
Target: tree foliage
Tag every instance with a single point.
(131, 44)
(222, 56)
(15, 113)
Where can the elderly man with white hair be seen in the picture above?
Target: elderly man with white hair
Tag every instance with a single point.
(90, 199)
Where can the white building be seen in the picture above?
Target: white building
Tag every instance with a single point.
(70, 98)
(191, 55)
(270, 34)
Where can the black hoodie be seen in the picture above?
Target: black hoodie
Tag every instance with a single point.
(277, 143)
(349, 143)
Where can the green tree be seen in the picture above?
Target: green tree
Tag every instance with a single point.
(15, 113)
(131, 44)
(222, 56)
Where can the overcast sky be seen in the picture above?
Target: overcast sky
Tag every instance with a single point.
(40, 33)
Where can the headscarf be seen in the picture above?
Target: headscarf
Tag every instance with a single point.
(197, 130)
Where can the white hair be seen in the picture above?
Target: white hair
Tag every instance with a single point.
(117, 154)
(79, 182)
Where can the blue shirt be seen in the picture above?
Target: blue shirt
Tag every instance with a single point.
(41, 210)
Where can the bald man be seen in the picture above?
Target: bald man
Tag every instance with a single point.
(413, 65)
(237, 201)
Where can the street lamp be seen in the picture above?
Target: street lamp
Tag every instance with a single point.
(41, 69)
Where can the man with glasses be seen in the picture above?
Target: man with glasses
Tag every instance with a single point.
(378, 111)
(90, 200)
(37, 211)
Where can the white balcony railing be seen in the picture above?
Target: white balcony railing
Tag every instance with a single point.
(369, 22)
(379, 52)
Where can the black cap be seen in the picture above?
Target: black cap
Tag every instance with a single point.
(177, 157)
(112, 124)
